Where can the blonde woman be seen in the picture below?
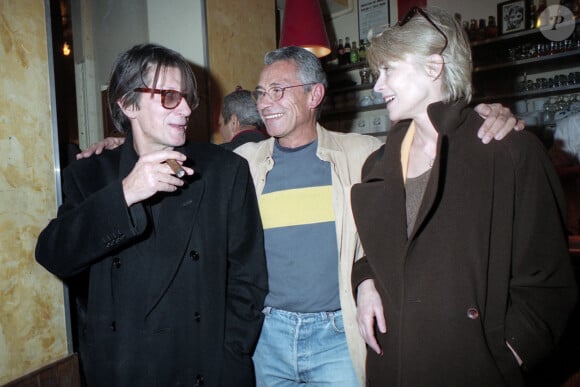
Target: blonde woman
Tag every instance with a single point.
(464, 242)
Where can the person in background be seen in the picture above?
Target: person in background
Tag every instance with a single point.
(176, 266)
(464, 243)
(303, 175)
(239, 121)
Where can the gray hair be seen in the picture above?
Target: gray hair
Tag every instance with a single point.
(420, 38)
(309, 67)
(241, 103)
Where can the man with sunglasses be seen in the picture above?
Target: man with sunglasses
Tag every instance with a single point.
(303, 175)
(176, 266)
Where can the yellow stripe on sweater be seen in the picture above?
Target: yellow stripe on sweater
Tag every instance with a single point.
(296, 207)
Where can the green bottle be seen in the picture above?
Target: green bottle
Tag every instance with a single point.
(353, 53)
(362, 52)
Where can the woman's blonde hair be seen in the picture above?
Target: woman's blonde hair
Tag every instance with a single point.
(419, 37)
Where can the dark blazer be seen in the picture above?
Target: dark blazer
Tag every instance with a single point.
(487, 260)
(177, 303)
(251, 135)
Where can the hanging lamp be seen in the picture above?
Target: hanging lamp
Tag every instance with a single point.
(303, 25)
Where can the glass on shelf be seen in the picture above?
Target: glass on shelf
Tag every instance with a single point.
(549, 112)
(366, 101)
(365, 74)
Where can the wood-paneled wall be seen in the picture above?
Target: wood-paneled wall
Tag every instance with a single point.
(239, 33)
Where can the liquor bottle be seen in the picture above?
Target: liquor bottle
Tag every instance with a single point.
(480, 35)
(332, 59)
(347, 49)
(472, 33)
(362, 52)
(533, 17)
(353, 53)
(466, 27)
(491, 29)
(340, 52)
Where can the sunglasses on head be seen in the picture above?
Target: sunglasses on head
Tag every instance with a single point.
(416, 10)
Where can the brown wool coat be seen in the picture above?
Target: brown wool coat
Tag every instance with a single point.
(487, 261)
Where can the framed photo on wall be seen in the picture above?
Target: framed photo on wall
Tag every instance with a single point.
(372, 15)
(513, 16)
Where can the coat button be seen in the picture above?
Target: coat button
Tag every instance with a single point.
(194, 255)
(199, 381)
(473, 313)
(114, 326)
(197, 316)
(117, 262)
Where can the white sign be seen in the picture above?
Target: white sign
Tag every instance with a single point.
(372, 14)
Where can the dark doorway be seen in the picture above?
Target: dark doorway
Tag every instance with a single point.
(64, 77)
(68, 143)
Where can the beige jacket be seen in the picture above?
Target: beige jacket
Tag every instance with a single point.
(346, 153)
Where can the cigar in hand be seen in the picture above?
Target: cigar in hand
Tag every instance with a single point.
(177, 170)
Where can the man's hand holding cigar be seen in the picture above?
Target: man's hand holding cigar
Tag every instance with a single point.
(153, 173)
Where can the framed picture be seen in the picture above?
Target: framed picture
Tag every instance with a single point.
(372, 15)
(513, 16)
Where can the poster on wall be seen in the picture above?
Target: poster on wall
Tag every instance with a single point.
(372, 14)
(513, 16)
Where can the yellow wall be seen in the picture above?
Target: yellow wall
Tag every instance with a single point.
(239, 33)
(32, 322)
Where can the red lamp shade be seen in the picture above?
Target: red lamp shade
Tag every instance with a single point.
(303, 26)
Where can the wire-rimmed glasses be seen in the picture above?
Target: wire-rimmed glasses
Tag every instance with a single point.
(275, 93)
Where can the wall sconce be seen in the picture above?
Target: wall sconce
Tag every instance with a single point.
(66, 49)
(303, 26)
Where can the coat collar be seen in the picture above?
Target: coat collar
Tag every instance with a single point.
(380, 199)
(128, 157)
(447, 117)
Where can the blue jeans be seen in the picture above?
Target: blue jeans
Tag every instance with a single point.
(303, 349)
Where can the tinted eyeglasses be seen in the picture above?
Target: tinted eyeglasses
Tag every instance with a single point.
(170, 99)
(275, 93)
(416, 10)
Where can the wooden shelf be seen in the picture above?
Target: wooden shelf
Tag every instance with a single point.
(346, 89)
(350, 112)
(516, 36)
(345, 68)
(536, 63)
(497, 77)
(528, 94)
